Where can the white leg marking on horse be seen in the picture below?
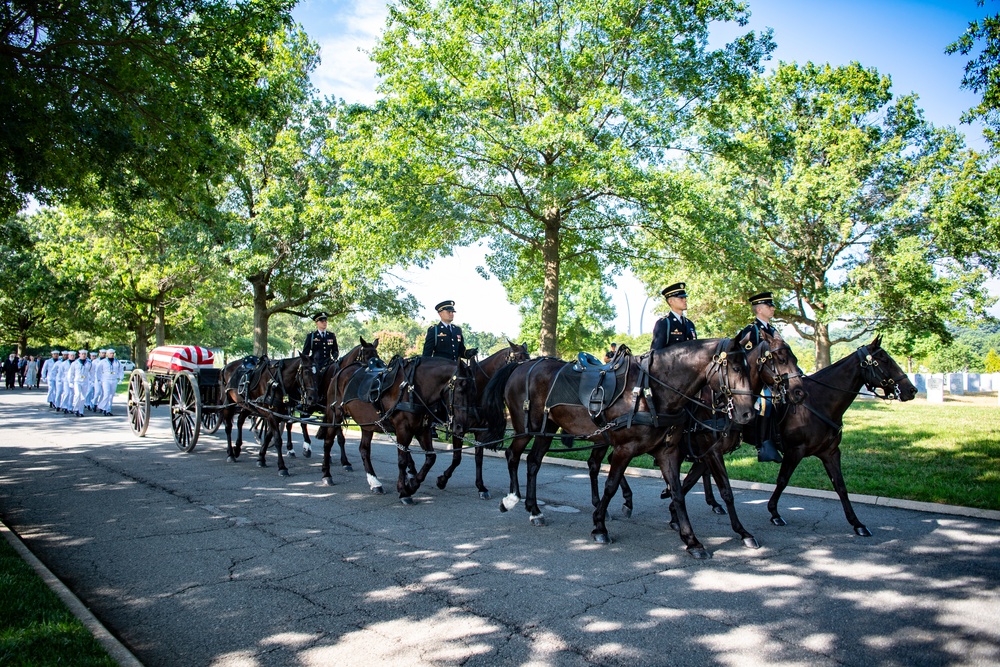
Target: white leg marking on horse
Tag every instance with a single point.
(535, 517)
(510, 501)
(373, 482)
(306, 448)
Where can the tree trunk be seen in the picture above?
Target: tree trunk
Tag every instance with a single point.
(161, 321)
(821, 340)
(141, 353)
(22, 344)
(548, 341)
(260, 315)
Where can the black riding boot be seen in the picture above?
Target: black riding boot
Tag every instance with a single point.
(766, 451)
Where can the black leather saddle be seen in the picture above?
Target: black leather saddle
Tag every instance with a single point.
(370, 383)
(247, 374)
(590, 383)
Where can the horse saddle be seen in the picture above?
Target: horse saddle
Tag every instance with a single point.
(247, 374)
(590, 383)
(371, 382)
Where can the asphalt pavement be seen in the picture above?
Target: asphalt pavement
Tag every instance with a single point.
(190, 560)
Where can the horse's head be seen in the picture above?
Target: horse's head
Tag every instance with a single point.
(368, 351)
(305, 376)
(462, 399)
(775, 365)
(882, 372)
(729, 378)
(517, 352)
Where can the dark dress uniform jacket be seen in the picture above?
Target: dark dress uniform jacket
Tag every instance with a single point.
(444, 340)
(671, 329)
(322, 347)
(754, 329)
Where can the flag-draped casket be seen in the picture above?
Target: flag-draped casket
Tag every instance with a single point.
(180, 358)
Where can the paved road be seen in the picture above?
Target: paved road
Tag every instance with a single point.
(193, 561)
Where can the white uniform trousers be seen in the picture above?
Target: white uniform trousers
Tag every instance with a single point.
(66, 392)
(107, 393)
(50, 396)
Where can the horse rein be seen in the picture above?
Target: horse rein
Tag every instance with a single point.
(870, 367)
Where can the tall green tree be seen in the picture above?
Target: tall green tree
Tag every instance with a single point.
(33, 301)
(972, 212)
(136, 273)
(819, 191)
(91, 90)
(543, 123)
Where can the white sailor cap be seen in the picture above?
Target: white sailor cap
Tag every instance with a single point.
(71, 353)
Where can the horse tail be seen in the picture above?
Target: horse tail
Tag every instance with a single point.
(493, 403)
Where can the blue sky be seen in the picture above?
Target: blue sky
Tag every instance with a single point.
(903, 38)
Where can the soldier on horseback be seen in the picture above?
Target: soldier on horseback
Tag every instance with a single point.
(444, 339)
(320, 345)
(763, 437)
(674, 328)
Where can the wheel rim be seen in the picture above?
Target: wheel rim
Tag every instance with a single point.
(138, 403)
(185, 411)
(210, 421)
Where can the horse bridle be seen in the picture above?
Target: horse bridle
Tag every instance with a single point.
(720, 364)
(875, 377)
(779, 382)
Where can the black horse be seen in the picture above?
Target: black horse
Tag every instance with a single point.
(358, 357)
(417, 394)
(262, 389)
(709, 435)
(815, 427)
(482, 372)
(663, 383)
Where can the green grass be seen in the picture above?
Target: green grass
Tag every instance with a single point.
(35, 627)
(914, 451)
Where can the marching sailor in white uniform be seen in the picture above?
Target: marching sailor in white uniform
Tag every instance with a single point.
(48, 379)
(70, 373)
(113, 374)
(82, 383)
(99, 370)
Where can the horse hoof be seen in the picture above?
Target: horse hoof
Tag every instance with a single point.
(328, 481)
(378, 491)
(626, 511)
(282, 473)
(862, 531)
(442, 482)
(407, 500)
(291, 453)
(307, 453)
(600, 538)
(230, 459)
(717, 509)
(538, 520)
(261, 464)
(674, 525)
(699, 553)
(348, 468)
(484, 495)
(503, 508)
(777, 521)
(751, 543)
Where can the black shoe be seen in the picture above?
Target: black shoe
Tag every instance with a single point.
(768, 453)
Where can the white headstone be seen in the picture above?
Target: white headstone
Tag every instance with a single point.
(935, 388)
(971, 381)
(954, 384)
(919, 381)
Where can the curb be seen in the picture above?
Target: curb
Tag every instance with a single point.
(115, 648)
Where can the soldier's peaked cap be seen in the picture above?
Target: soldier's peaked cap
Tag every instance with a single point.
(318, 317)
(677, 289)
(445, 305)
(762, 298)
